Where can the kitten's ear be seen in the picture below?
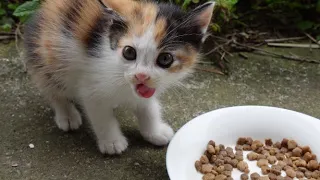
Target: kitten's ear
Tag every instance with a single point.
(202, 15)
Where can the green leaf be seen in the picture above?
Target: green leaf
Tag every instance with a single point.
(186, 4)
(196, 1)
(305, 25)
(6, 27)
(26, 8)
(215, 27)
(2, 12)
(318, 37)
(13, 6)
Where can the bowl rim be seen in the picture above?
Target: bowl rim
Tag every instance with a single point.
(222, 109)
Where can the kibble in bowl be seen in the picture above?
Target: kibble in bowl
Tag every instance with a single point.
(225, 126)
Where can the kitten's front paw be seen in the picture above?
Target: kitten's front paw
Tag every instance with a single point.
(116, 146)
(67, 122)
(160, 136)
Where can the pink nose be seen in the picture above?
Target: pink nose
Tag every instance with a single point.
(142, 77)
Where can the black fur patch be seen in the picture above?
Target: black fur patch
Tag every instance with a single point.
(96, 35)
(181, 29)
(110, 24)
(71, 15)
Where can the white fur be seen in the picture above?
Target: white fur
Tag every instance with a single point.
(103, 83)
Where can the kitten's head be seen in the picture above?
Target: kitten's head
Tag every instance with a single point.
(157, 44)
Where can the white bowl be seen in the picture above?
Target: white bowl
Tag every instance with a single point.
(226, 125)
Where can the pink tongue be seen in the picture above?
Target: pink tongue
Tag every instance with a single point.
(145, 91)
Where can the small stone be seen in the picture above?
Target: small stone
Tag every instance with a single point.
(31, 146)
(14, 165)
(137, 164)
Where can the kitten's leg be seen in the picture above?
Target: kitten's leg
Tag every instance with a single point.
(67, 117)
(152, 128)
(109, 136)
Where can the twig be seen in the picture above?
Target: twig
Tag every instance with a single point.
(227, 52)
(16, 35)
(314, 46)
(218, 47)
(312, 39)
(283, 39)
(5, 37)
(6, 34)
(294, 58)
(212, 70)
(243, 55)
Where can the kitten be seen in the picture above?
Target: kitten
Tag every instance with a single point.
(112, 52)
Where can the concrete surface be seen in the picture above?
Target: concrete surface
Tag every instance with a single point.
(25, 118)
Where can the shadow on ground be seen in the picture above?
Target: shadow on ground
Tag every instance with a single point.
(25, 118)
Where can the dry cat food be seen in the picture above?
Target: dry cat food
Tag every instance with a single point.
(275, 159)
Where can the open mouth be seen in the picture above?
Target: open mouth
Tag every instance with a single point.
(145, 91)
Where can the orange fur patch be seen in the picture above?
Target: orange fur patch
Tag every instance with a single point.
(187, 57)
(160, 30)
(89, 16)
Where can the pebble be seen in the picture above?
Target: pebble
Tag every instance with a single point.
(31, 146)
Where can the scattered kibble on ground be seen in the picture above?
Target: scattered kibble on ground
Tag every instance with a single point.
(273, 158)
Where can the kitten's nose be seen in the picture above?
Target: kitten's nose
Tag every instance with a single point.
(141, 77)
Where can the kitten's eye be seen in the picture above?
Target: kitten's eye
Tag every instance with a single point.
(129, 53)
(164, 60)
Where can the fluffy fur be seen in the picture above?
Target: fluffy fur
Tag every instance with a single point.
(74, 52)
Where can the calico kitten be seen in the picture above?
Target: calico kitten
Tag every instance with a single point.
(112, 52)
